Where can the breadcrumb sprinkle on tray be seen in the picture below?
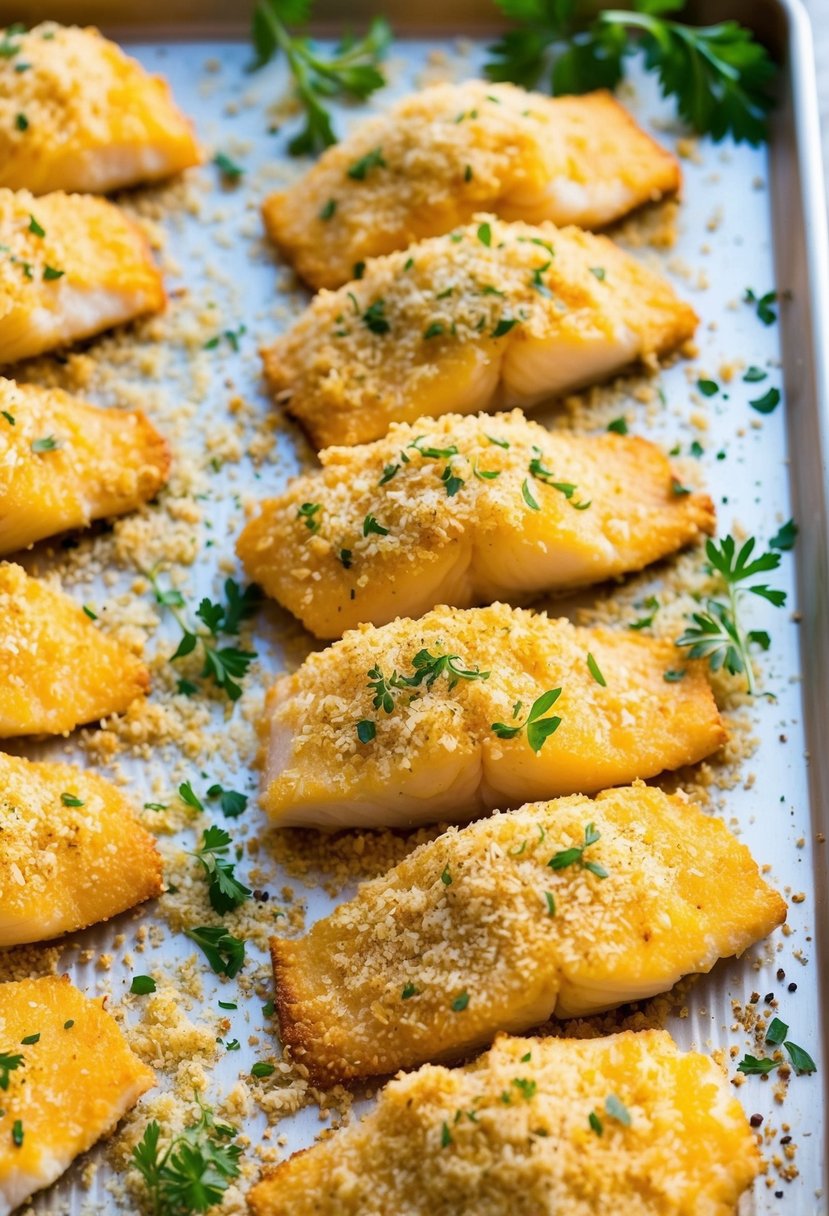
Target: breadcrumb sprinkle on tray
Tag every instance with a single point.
(180, 752)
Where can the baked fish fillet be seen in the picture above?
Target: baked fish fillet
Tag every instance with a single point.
(465, 710)
(511, 1135)
(59, 669)
(66, 1089)
(474, 509)
(64, 463)
(435, 158)
(490, 316)
(514, 918)
(71, 851)
(92, 119)
(70, 266)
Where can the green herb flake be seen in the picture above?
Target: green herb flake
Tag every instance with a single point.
(17, 1133)
(598, 272)
(460, 1002)
(673, 675)
(35, 228)
(446, 877)
(618, 426)
(538, 727)
(768, 403)
(21, 122)
(50, 274)
(574, 856)
(596, 1124)
(327, 211)
(762, 305)
(435, 330)
(371, 526)
(593, 668)
(784, 539)
(360, 169)
(708, 388)
(142, 985)
(366, 730)
(445, 1135)
(224, 952)
(262, 1069)
(409, 990)
(71, 800)
(754, 375)
(228, 167)
(47, 443)
(309, 512)
(616, 1109)
(30, 1039)
(232, 803)
(374, 318)
(485, 234)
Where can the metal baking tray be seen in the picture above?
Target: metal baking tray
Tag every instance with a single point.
(759, 215)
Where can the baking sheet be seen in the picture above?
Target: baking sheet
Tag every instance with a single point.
(739, 226)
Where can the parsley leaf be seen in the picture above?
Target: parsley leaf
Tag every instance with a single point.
(226, 892)
(232, 802)
(8, 1065)
(538, 727)
(574, 856)
(195, 1169)
(224, 952)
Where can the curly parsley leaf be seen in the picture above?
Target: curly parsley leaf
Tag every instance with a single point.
(538, 727)
(194, 1170)
(225, 890)
(224, 952)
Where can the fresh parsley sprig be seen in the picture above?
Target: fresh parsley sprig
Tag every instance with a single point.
(194, 1170)
(574, 856)
(225, 890)
(224, 952)
(538, 727)
(717, 633)
(225, 665)
(352, 71)
(718, 74)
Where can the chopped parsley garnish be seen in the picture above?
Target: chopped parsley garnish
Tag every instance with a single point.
(708, 388)
(262, 1069)
(785, 538)
(719, 74)
(673, 675)
(452, 482)
(551, 903)
(776, 1032)
(763, 305)
(678, 489)
(224, 952)
(358, 270)
(308, 512)
(696, 449)
(189, 797)
(93, 616)
(545, 475)
(9, 417)
(652, 604)
(525, 1087)
(409, 990)
(498, 443)
(754, 375)
(370, 525)
(598, 272)
(17, 1133)
(50, 273)
(326, 212)
(593, 668)
(574, 856)
(446, 877)
(30, 1039)
(225, 890)
(504, 326)
(445, 1135)
(142, 985)
(716, 632)
(460, 1002)
(195, 1169)
(231, 336)
(47, 443)
(768, 403)
(527, 495)
(352, 70)
(345, 556)
(21, 122)
(485, 234)
(366, 730)
(434, 330)
(8, 1065)
(596, 1124)
(232, 802)
(71, 800)
(228, 167)
(35, 228)
(225, 665)
(618, 426)
(374, 318)
(361, 168)
(538, 727)
(616, 1109)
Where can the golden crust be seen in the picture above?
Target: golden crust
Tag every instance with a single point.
(508, 1135)
(91, 269)
(59, 669)
(483, 541)
(435, 755)
(95, 120)
(71, 851)
(73, 1085)
(492, 315)
(370, 989)
(455, 149)
(105, 462)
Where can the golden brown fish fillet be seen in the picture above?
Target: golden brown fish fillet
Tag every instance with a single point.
(71, 851)
(490, 316)
(64, 463)
(436, 158)
(511, 1135)
(444, 717)
(93, 120)
(474, 509)
(66, 1090)
(70, 266)
(513, 919)
(59, 669)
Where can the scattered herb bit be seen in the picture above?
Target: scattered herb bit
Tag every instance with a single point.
(616, 1109)
(69, 1024)
(460, 1002)
(446, 877)
(763, 305)
(802, 1062)
(189, 797)
(598, 271)
(708, 388)
(467, 173)
(596, 1124)
(34, 227)
(9, 48)
(233, 803)
(452, 482)
(71, 800)
(269, 1009)
(652, 604)
(776, 1032)
(232, 336)
(351, 71)
(751, 1066)
(719, 74)
(525, 1087)
(21, 122)
(361, 168)
(785, 538)
(370, 525)
(228, 1005)
(768, 403)
(434, 330)
(485, 234)
(567, 488)
(574, 856)
(504, 326)
(224, 889)
(593, 668)
(228, 167)
(195, 1169)
(326, 212)
(428, 667)
(409, 990)
(619, 426)
(224, 952)
(93, 616)
(366, 730)
(17, 1132)
(445, 1135)
(717, 633)
(537, 726)
(673, 675)
(8, 1065)
(48, 443)
(527, 495)
(308, 512)
(142, 985)
(374, 318)
(678, 489)
(358, 270)
(262, 1069)
(50, 273)
(551, 903)
(9, 417)
(754, 375)
(30, 1039)
(233, 1044)
(498, 443)
(696, 449)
